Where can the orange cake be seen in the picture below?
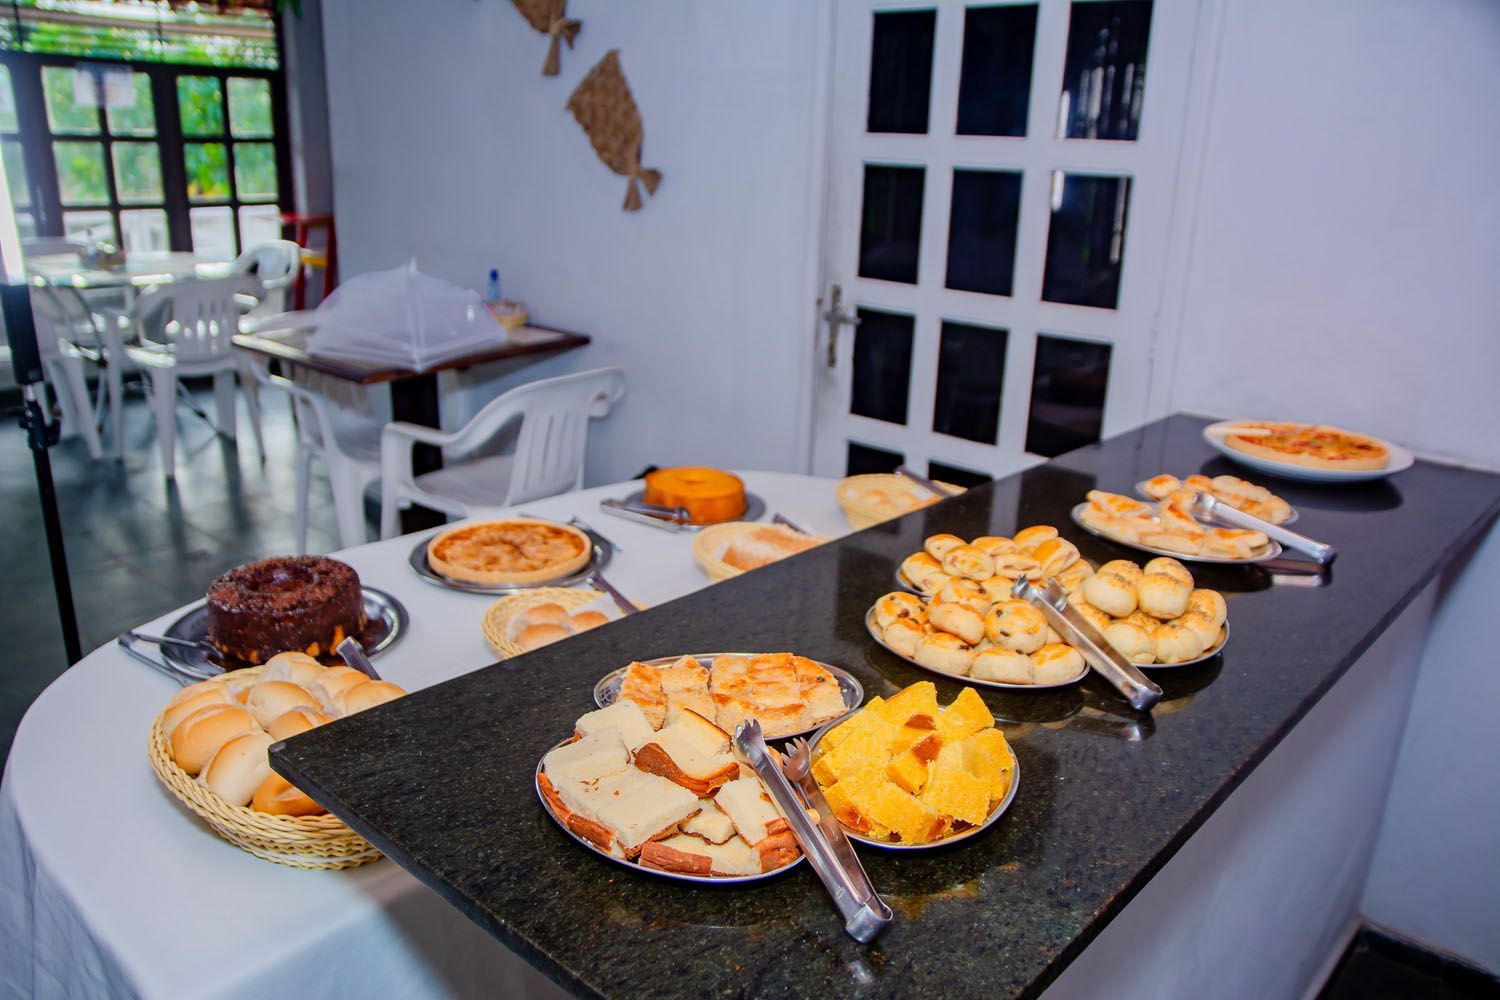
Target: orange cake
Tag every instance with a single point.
(708, 495)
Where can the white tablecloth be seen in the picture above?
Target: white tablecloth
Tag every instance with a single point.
(109, 887)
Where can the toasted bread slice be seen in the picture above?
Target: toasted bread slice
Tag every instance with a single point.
(730, 711)
(821, 697)
(624, 717)
(681, 853)
(773, 668)
(778, 849)
(586, 828)
(642, 685)
(696, 700)
(687, 674)
(691, 751)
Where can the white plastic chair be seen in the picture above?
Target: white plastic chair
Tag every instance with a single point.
(274, 263)
(548, 456)
(349, 447)
(184, 329)
(72, 333)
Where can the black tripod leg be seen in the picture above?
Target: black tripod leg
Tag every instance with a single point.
(36, 428)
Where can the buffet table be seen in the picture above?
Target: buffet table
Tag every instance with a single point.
(109, 887)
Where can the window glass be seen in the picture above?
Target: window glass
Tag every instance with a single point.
(64, 113)
(249, 108)
(137, 118)
(207, 171)
(137, 173)
(901, 71)
(255, 171)
(80, 173)
(200, 105)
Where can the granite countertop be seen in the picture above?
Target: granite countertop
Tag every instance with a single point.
(442, 780)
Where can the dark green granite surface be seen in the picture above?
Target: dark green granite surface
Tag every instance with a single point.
(443, 780)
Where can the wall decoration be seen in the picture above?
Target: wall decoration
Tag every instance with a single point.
(550, 17)
(605, 109)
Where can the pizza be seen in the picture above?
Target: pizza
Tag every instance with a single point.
(519, 551)
(1313, 446)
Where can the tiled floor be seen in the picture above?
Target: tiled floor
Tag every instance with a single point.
(137, 544)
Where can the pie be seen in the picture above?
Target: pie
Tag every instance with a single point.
(522, 550)
(787, 694)
(1313, 446)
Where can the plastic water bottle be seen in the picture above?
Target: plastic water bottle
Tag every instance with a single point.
(492, 289)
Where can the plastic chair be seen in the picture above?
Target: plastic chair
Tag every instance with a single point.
(71, 333)
(275, 263)
(185, 329)
(350, 448)
(548, 456)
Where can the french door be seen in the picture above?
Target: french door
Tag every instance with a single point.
(1001, 184)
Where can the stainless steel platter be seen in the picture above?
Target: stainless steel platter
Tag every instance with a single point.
(994, 816)
(633, 866)
(603, 551)
(755, 509)
(1140, 491)
(1271, 551)
(1002, 685)
(608, 688)
(386, 621)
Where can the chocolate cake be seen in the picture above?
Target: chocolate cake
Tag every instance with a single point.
(305, 603)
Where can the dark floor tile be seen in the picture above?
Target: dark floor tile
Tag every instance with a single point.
(1382, 966)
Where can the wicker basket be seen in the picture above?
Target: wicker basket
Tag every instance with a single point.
(710, 544)
(313, 842)
(498, 617)
(862, 514)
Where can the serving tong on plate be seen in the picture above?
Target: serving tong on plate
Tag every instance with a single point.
(1080, 633)
(1209, 509)
(183, 675)
(828, 850)
(923, 481)
(665, 518)
(621, 601)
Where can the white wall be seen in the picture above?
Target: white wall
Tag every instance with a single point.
(451, 147)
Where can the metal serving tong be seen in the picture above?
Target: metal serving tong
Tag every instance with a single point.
(184, 675)
(1209, 509)
(787, 522)
(827, 849)
(621, 601)
(354, 655)
(665, 518)
(1052, 601)
(923, 481)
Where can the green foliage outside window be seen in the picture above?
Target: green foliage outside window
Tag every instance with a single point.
(80, 173)
(201, 105)
(139, 119)
(64, 113)
(207, 170)
(249, 108)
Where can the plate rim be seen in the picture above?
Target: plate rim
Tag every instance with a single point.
(1402, 458)
(603, 552)
(1273, 547)
(963, 678)
(1141, 492)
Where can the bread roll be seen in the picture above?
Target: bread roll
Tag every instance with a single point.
(280, 797)
(1053, 635)
(1076, 575)
(957, 619)
(1017, 565)
(997, 588)
(963, 591)
(1055, 555)
(271, 699)
(1133, 642)
(945, 652)
(1126, 569)
(191, 699)
(1111, 593)
(940, 545)
(1097, 618)
(546, 614)
(1171, 567)
(1017, 626)
(537, 636)
(1056, 663)
(298, 720)
(585, 620)
(1210, 603)
(198, 737)
(898, 604)
(368, 695)
(1028, 539)
(1176, 643)
(968, 562)
(1162, 596)
(299, 668)
(995, 545)
(902, 635)
(1003, 665)
(239, 767)
(919, 567)
(1204, 627)
(334, 682)
(1145, 621)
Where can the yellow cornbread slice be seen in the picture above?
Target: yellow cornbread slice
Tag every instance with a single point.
(957, 793)
(859, 750)
(863, 721)
(852, 799)
(966, 716)
(904, 815)
(909, 768)
(988, 757)
(916, 699)
(919, 728)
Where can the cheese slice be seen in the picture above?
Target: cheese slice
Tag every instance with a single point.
(746, 803)
(711, 823)
(624, 717)
(574, 768)
(636, 806)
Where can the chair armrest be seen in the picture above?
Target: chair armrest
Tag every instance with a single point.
(416, 434)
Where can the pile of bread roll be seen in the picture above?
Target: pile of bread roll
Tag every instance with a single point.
(547, 623)
(994, 562)
(1257, 501)
(218, 730)
(1152, 614)
(1169, 525)
(962, 632)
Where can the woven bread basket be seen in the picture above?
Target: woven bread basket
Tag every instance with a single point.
(312, 842)
(862, 514)
(498, 617)
(710, 544)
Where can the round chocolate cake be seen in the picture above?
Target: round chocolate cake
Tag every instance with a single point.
(304, 603)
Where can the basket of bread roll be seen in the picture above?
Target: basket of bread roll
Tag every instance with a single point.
(726, 550)
(208, 746)
(876, 497)
(1154, 614)
(539, 617)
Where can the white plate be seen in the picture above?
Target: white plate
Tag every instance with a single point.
(1271, 551)
(1140, 491)
(1401, 460)
(1002, 685)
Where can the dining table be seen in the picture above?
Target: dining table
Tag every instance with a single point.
(139, 270)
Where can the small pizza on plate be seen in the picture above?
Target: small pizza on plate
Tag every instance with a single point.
(519, 551)
(1312, 446)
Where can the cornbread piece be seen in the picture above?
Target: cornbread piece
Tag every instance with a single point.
(988, 757)
(753, 813)
(909, 769)
(711, 823)
(965, 716)
(690, 751)
(852, 798)
(905, 816)
(854, 753)
(917, 729)
(636, 807)
(309, 604)
(624, 717)
(957, 793)
(642, 685)
(917, 699)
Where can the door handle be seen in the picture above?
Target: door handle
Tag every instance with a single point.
(835, 317)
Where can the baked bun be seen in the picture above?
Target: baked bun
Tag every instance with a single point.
(239, 767)
(1162, 596)
(1210, 603)
(1145, 621)
(295, 722)
(368, 695)
(1028, 539)
(944, 652)
(1056, 663)
(1055, 555)
(1125, 568)
(968, 562)
(1133, 642)
(537, 636)
(270, 699)
(198, 737)
(1003, 665)
(1097, 618)
(997, 588)
(1204, 627)
(962, 591)
(995, 545)
(334, 682)
(902, 635)
(280, 797)
(1176, 643)
(546, 614)
(1016, 626)
(1171, 567)
(919, 567)
(940, 545)
(191, 699)
(1017, 565)
(1111, 593)
(299, 668)
(585, 620)
(957, 619)
(1076, 575)
(898, 604)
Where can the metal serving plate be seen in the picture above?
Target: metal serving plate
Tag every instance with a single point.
(386, 622)
(755, 509)
(994, 816)
(1002, 685)
(634, 866)
(608, 688)
(1140, 491)
(905, 583)
(598, 559)
(1271, 551)
(1401, 459)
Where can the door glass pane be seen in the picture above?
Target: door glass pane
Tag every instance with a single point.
(864, 460)
(259, 224)
(971, 371)
(890, 230)
(213, 231)
(994, 87)
(88, 227)
(1086, 240)
(982, 230)
(8, 120)
(957, 475)
(882, 365)
(207, 171)
(901, 71)
(137, 173)
(144, 230)
(25, 225)
(80, 173)
(1104, 76)
(64, 114)
(255, 170)
(249, 108)
(138, 118)
(1068, 386)
(15, 173)
(201, 105)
